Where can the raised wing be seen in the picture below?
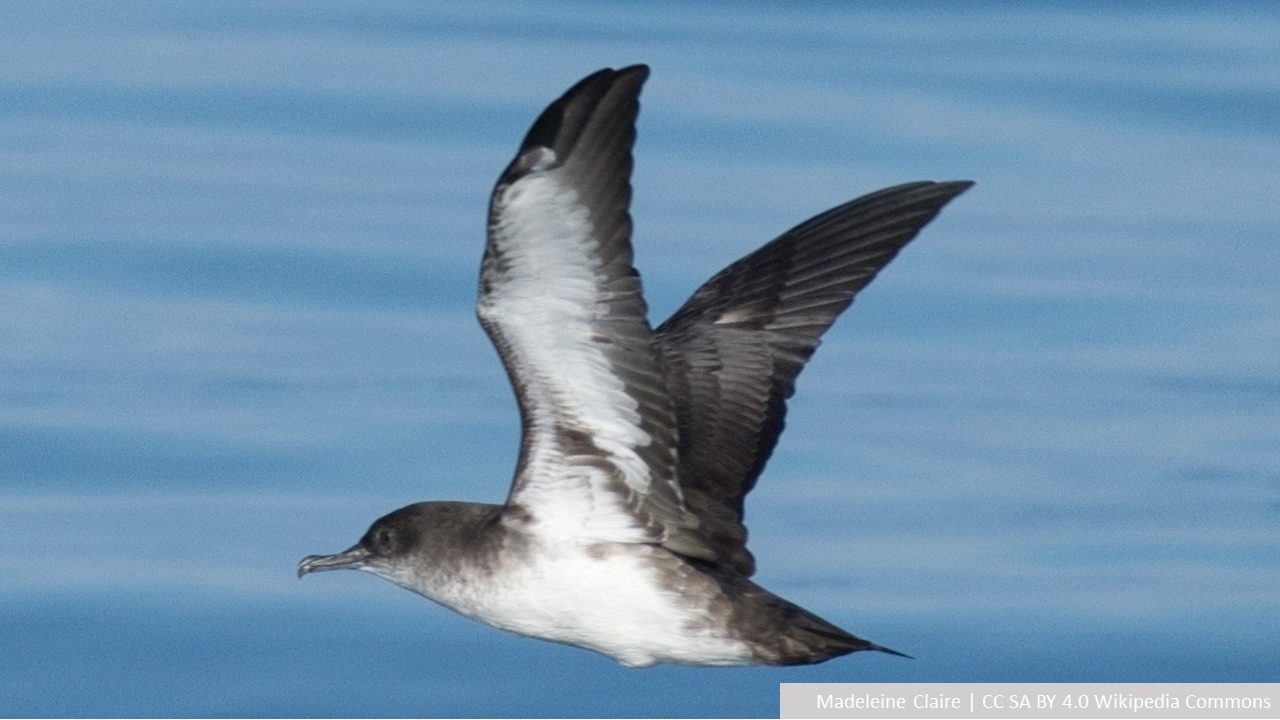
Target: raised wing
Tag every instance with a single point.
(733, 351)
(562, 303)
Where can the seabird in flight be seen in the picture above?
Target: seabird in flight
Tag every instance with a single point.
(623, 529)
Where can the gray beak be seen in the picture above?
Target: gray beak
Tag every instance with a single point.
(353, 559)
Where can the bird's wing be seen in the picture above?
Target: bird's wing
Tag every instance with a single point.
(732, 353)
(562, 303)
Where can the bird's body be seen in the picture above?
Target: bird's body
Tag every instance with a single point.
(623, 529)
(602, 596)
(636, 602)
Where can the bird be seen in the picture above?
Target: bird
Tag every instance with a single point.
(623, 531)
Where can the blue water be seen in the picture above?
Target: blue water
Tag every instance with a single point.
(238, 247)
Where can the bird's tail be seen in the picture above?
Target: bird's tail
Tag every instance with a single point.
(810, 639)
(826, 637)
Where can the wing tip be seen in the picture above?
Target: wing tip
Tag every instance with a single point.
(566, 117)
(957, 187)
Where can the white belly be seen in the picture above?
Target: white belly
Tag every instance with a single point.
(608, 600)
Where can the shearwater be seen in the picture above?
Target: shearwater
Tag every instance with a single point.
(623, 529)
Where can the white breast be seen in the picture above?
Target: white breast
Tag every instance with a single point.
(607, 598)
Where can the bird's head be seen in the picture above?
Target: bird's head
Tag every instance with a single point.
(388, 542)
(413, 544)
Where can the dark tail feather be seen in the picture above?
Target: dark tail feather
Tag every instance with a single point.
(809, 639)
(890, 651)
(838, 643)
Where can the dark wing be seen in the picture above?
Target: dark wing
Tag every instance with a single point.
(731, 354)
(562, 303)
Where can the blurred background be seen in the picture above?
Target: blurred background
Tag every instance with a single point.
(238, 251)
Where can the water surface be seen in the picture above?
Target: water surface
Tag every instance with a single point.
(238, 247)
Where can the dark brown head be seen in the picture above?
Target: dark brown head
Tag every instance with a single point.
(405, 544)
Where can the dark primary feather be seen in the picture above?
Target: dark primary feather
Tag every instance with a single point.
(591, 129)
(732, 353)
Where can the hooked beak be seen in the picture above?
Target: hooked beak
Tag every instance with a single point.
(353, 559)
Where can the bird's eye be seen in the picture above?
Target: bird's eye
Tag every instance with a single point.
(383, 539)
